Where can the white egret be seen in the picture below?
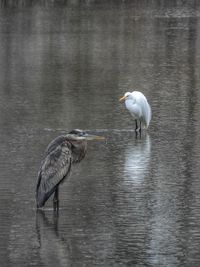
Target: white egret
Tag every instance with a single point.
(137, 105)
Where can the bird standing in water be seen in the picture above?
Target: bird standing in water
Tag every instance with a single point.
(139, 108)
(61, 154)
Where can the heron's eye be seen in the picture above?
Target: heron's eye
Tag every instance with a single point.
(81, 134)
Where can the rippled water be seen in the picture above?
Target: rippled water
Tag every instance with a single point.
(133, 201)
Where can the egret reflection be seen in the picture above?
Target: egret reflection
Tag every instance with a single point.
(137, 157)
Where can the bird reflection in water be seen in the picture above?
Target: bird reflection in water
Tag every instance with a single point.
(54, 249)
(137, 157)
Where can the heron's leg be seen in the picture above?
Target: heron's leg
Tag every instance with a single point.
(56, 199)
(136, 125)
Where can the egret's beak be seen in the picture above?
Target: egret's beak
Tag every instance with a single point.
(94, 137)
(122, 98)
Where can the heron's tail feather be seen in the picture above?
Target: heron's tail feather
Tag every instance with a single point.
(43, 192)
(41, 198)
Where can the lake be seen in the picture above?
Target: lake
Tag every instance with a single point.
(134, 200)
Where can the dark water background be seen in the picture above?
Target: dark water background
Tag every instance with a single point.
(132, 201)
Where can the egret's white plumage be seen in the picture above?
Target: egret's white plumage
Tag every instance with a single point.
(137, 105)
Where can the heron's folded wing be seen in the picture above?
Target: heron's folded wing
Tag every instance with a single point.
(54, 169)
(55, 143)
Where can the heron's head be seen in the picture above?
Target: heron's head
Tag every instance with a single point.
(126, 96)
(79, 135)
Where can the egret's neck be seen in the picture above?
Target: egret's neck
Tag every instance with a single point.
(129, 102)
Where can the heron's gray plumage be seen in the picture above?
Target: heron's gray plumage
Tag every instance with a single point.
(60, 155)
(55, 167)
(53, 144)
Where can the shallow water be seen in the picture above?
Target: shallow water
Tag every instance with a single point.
(133, 201)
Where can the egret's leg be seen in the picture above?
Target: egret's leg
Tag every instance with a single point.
(56, 199)
(137, 134)
(136, 125)
(140, 126)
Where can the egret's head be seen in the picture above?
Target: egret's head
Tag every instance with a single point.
(126, 95)
(79, 135)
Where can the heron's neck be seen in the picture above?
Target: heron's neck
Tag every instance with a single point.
(78, 150)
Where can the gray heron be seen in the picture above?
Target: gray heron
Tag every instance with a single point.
(61, 154)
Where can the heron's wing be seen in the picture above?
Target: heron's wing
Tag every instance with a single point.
(55, 143)
(55, 167)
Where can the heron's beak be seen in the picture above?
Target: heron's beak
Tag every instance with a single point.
(122, 98)
(94, 137)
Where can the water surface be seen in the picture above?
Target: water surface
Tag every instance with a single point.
(133, 201)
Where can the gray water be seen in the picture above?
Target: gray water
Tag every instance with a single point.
(133, 201)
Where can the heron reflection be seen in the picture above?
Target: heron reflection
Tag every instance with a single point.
(54, 248)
